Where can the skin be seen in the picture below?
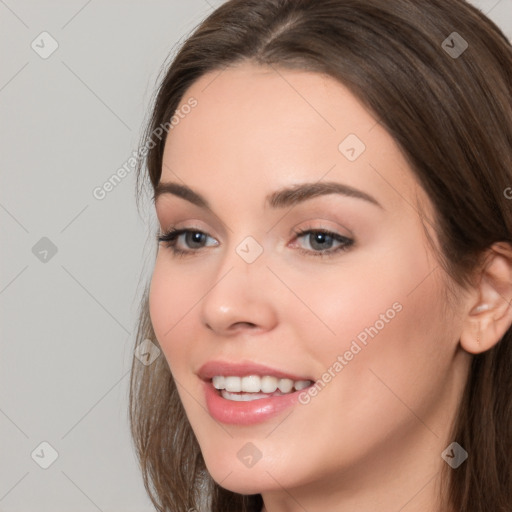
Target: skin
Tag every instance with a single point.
(372, 438)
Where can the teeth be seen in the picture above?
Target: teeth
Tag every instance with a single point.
(250, 384)
(233, 384)
(285, 385)
(218, 382)
(268, 384)
(242, 397)
(256, 384)
(301, 384)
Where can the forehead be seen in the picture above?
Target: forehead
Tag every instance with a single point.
(275, 126)
(249, 104)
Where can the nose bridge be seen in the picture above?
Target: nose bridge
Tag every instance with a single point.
(245, 256)
(238, 293)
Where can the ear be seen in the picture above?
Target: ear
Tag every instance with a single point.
(490, 311)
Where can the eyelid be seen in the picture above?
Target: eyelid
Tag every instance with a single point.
(323, 225)
(293, 231)
(171, 236)
(206, 221)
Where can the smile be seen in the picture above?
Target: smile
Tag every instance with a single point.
(247, 393)
(255, 387)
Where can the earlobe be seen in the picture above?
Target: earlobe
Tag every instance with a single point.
(490, 316)
(480, 308)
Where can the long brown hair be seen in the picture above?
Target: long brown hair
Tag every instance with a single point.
(451, 114)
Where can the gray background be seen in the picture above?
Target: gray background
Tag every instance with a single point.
(68, 122)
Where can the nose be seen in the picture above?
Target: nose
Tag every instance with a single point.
(242, 296)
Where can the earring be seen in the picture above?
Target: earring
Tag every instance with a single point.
(481, 307)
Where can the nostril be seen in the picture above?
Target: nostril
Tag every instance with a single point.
(243, 324)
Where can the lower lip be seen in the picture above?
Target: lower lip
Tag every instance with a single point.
(246, 413)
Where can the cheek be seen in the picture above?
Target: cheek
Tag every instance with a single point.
(383, 317)
(171, 296)
(159, 296)
(340, 304)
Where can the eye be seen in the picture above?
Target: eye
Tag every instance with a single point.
(194, 239)
(321, 242)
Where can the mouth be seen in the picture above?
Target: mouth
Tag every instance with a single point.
(245, 394)
(255, 387)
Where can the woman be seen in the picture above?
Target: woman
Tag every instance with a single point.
(332, 288)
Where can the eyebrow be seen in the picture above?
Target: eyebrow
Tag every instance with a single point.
(278, 199)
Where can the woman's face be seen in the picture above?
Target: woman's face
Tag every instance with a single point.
(360, 311)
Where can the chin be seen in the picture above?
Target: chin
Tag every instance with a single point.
(249, 482)
(231, 474)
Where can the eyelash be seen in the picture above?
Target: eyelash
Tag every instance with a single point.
(169, 240)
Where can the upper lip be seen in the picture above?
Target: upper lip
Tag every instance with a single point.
(225, 368)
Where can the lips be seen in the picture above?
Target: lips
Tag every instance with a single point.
(241, 407)
(214, 368)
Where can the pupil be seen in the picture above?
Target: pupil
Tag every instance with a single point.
(195, 237)
(319, 241)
